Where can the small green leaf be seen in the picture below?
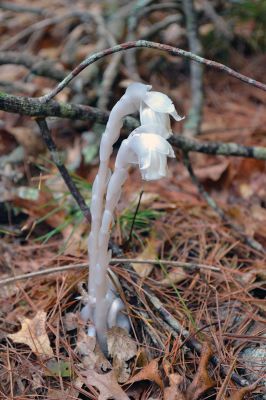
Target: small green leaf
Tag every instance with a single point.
(58, 368)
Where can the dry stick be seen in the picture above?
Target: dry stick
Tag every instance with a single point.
(112, 69)
(132, 24)
(62, 169)
(45, 23)
(193, 122)
(159, 26)
(36, 65)
(35, 108)
(212, 203)
(217, 148)
(222, 390)
(109, 77)
(190, 342)
(218, 21)
(158, 7)
(174, 51)
(181, 264)
(19, 8)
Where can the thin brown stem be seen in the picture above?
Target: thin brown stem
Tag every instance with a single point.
(46, 135)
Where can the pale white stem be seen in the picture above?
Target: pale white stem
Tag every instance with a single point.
(105, 293)
(109, 137)
(128, 104)
(113, 315)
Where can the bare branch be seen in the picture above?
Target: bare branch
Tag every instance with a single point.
(35, 108)
(193, 122)
(36, 65)
(43, 24)
(185, 265)
(62, 169)
(19, 8)
(218, 148)
(174, 51)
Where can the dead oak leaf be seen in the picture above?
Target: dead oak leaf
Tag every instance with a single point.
(121, 348)
(201, 381)
(175, 276)
(241, 393)
(173, 392)
(150, 372)
(106, 384)
(150, 252)
(90, 353)
(33, 333)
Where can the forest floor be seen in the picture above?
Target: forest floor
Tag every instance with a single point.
(217, 295)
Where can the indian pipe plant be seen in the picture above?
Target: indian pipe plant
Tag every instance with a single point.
(146, 146)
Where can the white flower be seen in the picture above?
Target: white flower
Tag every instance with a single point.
(161, 103)
(149, 150)
(155, 109)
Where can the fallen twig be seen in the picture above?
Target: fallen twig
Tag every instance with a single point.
(193, 122)
(181, 264)
(36, 65)
(174, 51)
(19, 8)
(44, 23)
(45, 132)
(35, 108)
(190, 342)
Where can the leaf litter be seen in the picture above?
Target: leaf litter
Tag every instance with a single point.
(48, 355)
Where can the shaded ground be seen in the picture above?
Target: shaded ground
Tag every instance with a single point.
(222, 308)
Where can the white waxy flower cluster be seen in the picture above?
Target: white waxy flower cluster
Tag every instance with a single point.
(146, 146)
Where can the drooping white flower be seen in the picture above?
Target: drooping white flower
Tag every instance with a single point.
(155, 109)
(147, 149)
(152, 151)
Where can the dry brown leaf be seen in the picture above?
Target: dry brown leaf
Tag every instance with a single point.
(85, 348)
(70, 321)
(29, 139)
(150, 252)
(106, 384)
(172, 392)
(91, 355)
(260, 269)
(241, 393)
(33, 333)
(177, 275)
(201, 381)
(71, 393)
(121, 348)
(212, 172)
(150, 372)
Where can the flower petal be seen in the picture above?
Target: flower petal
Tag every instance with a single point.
(137, 91)
(176, 116)
(159, 121)
(159, 102)
(126, 155)
(157, 168)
